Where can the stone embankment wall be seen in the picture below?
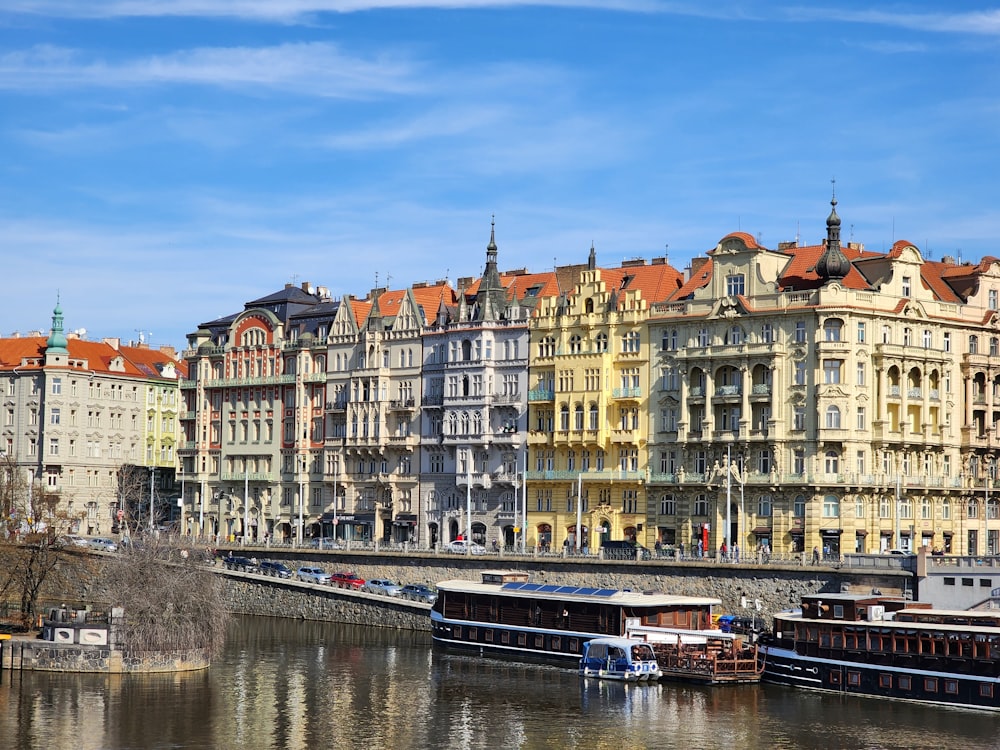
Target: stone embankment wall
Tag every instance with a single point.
(739, 587)
(251, 595)
(23, 653)
(742, 589)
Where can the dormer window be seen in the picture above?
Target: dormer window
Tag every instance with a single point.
(993, 299)
(906, 286)
(735, 284)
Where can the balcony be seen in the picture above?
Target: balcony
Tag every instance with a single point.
(478, 479)
(696, 392)
(541, 394)
(624, 436)
(339, 405)
(627, 393)
(432, 399)
(251, 477)
(729, 390)
(405, 404)
(244, 382)
(760, 389)
(605, 475)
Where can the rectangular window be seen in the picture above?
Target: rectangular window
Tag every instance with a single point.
(831, 370)
(861, 333)
(947, 342)
(735, 284)
(907, 286)
(800, 332)
(862, 418)
(800, 373)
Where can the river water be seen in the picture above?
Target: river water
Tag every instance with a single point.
(290, 684)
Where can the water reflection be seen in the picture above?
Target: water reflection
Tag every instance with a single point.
(290, 684)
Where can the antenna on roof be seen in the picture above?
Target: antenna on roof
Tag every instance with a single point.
(852, 233)
(143, 335)
(666, 252)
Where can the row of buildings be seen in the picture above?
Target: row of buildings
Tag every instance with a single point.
(810, 396)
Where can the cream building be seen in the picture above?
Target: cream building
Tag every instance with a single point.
(854, 393)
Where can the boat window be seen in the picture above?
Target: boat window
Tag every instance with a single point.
(854, 679)
(930, 685)
(985, 690)
(885, 681)
(556, 643)
(834, 677)
(905, 682)
(838, 611)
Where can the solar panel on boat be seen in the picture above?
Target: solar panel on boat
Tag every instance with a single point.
(549, 588)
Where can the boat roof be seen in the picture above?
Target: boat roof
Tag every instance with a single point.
(979, 628)
(612, 641)
(527, 590)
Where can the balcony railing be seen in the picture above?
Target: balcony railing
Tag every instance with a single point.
(728, 390)
(627, 393)
(541, 394)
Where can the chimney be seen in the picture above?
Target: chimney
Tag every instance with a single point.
(169, 351)
(114, 343)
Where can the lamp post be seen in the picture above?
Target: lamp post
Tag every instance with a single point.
(152, 474)
(302, 489)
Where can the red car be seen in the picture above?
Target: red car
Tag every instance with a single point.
(347, 581)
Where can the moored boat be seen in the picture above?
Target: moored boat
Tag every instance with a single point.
(887, 647)
(623, 659)
(508, 616)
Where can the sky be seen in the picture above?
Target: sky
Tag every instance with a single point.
(166, 161)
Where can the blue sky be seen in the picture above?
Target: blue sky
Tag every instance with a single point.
(166, 161)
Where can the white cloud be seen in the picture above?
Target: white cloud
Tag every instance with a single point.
(290, 11)
(318, 68)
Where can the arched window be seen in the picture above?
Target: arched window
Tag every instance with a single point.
(601, 342)
(575, 344)
(973, 344)
(833, 418)
(593, 423)
(564, 418)
(578, 417)
(832, 329)
(466, 350)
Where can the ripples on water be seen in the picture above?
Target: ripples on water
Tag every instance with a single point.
(289, 684)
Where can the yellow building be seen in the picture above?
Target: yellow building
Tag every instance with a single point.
(588, 405)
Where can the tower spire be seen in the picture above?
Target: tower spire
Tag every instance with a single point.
(833, 265)
(57, 338)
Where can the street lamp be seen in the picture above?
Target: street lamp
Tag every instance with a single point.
(152, 473)
(302, 489)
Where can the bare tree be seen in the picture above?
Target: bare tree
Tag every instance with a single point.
(33, 524)
(171, 598)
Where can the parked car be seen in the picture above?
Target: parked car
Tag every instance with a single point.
(417, 592)
(275, 568)
(313, 575)
(325, 543)
(72, 540)
(624, 549)
(244, 564)
(461, 547)
(382, 586)
(347, 581)
(102, 545)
